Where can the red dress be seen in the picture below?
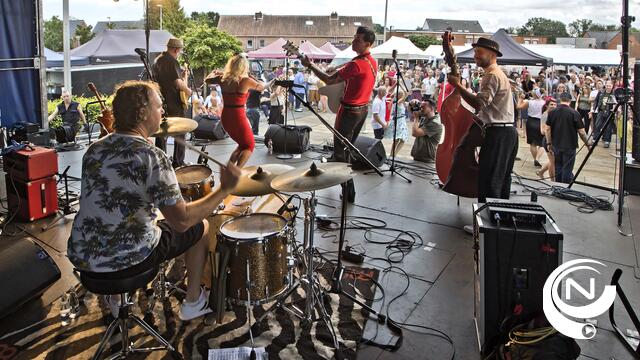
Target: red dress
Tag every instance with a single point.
(235, 122)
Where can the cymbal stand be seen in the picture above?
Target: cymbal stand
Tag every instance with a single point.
(313, 291)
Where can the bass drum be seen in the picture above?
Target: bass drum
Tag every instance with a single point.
(234, 206)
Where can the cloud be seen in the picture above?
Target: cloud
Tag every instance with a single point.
(402, 14)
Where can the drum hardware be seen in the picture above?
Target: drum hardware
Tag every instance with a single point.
(171, 126)
(189, 146)
(162, 288)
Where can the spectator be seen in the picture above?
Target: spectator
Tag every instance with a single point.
(427, 130)
(602, 106)
(550, 104)
(378, 111)
(564, 126)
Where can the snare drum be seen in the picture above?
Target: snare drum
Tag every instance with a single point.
(257, 245)
(195, 181)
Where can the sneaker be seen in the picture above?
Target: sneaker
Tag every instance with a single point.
(468, 229)
(113, 301)
(606, 145)
(189, 311)
(536, 163)
(298, 110)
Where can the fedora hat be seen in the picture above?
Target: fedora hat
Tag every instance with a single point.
(488, 44)
(175, 43)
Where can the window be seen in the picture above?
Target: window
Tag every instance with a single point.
(357, 23)
(249, 44)
(341, 24)
(468, 40)
(308, 22)
(261, 43)
(527, 42)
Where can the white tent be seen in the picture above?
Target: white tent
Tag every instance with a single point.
(571, 56)
(435, 51)
(405, 49)
(343, 56)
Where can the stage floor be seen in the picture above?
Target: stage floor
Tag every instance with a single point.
(441, 289)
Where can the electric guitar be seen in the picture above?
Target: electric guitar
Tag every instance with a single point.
(333, 92)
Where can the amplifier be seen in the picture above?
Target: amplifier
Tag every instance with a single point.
(26, 271)
(372, 149)
(41, 137)
(513, 263)
(288, 139)
(34, 199)
(31, 163)
(209, 128)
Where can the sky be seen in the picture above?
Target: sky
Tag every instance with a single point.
(402, 14)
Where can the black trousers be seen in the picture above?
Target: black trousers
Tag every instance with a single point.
(584, 114)
(178, 148)
(348, 123)
(497, 155)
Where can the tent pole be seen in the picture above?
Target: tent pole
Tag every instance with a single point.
(66, 45)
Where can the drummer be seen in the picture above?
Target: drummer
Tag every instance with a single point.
(124, 180)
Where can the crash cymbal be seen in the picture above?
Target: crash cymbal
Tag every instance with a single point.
(176, 126)
(313, 177)
(256, 180)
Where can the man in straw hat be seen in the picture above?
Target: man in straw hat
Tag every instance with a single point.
(172, 80)
(494, 106)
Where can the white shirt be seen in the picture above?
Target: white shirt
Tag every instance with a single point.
(313, 82)
(593, 95)
(534, 108)
(429, 85)
(378, 107)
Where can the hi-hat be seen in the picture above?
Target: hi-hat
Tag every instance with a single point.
(176, 126)
(256, 180)
(314, 177)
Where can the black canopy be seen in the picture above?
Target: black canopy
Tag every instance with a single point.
(512, 52)
(117, 46)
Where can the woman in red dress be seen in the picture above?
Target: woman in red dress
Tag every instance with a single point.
(235, 83)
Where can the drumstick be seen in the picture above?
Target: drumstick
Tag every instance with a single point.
(191, 147)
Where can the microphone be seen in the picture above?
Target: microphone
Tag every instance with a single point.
(394, 53)
(140, 51)
(285, 206)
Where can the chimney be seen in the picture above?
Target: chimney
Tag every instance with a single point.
(334, 16)
(258, 16)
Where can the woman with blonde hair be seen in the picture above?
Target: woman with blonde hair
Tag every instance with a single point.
(235, 83)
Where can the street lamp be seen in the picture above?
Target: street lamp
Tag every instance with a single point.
(160, 6)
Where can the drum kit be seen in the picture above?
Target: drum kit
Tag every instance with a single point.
(254, 256)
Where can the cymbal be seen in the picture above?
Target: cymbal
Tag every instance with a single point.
(176, 126)
(313, 177)
(256, 180)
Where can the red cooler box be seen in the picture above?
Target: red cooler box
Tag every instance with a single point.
(34, 199)
(28, 164)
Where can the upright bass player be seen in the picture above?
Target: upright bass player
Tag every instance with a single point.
(494, 107)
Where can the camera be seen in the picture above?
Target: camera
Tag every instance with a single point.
(414, 106)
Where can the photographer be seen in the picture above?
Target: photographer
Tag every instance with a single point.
(427, 130)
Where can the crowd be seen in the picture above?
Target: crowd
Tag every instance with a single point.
(591, 96)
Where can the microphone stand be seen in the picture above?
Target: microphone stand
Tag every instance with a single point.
(336, 286)
(285, 155)
(392, 168)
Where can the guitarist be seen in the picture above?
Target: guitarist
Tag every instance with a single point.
(494, 107)
(172, 80)
(359, 76)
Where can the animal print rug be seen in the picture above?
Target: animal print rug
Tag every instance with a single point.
(280, 333)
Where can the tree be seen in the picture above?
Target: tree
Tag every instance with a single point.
(544, 27)
(423, 41)
(208, 47)
(110, 26)
(209, 17)
(84, 33)
(579, 27)
(53, 34)
(512, 30)
(174, 19)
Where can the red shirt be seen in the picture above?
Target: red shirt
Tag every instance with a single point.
(360, 78)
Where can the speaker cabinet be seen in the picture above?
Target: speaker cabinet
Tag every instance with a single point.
(372, 149)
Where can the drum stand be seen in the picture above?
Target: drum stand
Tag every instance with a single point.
(161, 288)
(314, 292)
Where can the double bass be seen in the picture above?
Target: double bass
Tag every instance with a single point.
(456, 162)
(106, 117)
